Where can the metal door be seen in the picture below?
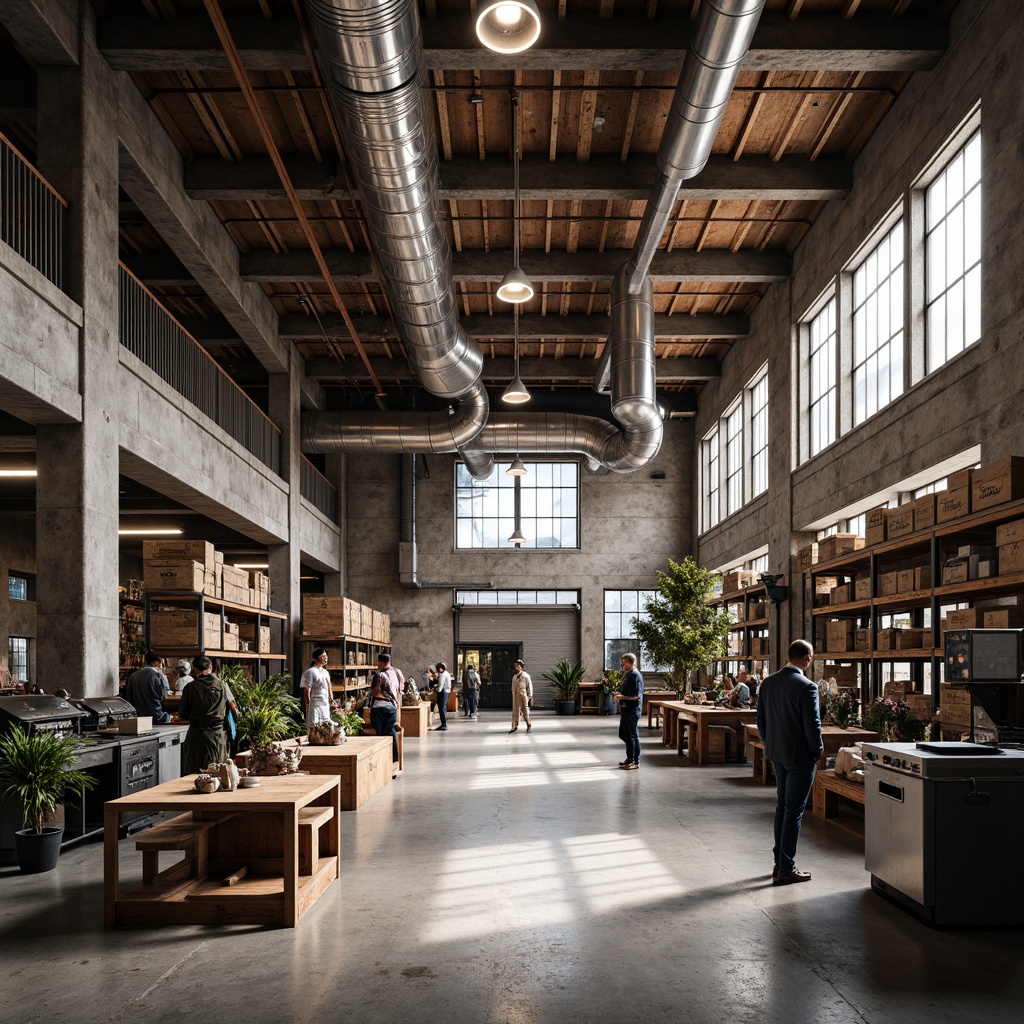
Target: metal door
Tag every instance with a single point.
(494, 663)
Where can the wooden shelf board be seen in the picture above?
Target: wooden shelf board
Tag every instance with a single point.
(857, 607)
(173, 596)
(1011, 581)
(909, 598)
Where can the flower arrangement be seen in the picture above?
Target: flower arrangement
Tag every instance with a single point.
(893, 721)
(612, 681)
(844, 709)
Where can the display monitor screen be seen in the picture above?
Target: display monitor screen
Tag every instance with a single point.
(995, 656)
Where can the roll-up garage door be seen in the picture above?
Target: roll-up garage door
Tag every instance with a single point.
(546, 632)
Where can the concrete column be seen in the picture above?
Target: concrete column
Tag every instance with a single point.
(335, 583)
(285, 559)
(77, 491)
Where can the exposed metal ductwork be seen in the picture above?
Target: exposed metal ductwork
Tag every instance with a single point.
(371, 56)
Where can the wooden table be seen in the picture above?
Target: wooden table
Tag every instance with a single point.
(253, 856)
(362, 763)
(655, 697)
(832, 739)
(670, 712)
(703, 717)
(415, 718)
(589, 697)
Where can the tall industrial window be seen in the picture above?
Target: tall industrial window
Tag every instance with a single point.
(621, 607)
(878, 327)
(548, 498)
(953, 256)
(17, 658)
(734, 460)
(759, 437)
(822, 379)
(17, 588)
(710, 481)
(566, 597)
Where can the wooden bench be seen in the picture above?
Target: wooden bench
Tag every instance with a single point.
(312, 844)
(182, 834)
(763, 771)
(828, 788)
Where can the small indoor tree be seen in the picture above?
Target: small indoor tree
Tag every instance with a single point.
(682, 629)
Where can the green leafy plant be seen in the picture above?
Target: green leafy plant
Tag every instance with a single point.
(844, 709)
(35, 770)
(566, 678)
(351, 721)
(267, 711)
(893, 721)
(680, 628)
(612, 681)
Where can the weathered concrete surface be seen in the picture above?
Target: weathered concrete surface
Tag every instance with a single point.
(39, 333)
(77, 488)
(319, 539)
(975, 399)
(630, 525)
(169, 445)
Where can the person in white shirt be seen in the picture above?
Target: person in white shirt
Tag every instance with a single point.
(184, 676)
(315, 684)
(522, 694)
(444, 686)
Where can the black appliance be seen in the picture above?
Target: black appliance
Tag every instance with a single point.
(43, 711)
(139, 770)
(982, 656)
(102, 712)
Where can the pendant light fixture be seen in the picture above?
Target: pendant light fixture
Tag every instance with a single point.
(508, 26)
(516, 393)
(517, 537)
(515, 286)
(517, 468)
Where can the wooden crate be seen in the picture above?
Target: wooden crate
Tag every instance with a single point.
(899, 521)
(997, 483)
(838, 544)
(955, 500)
(876, 525)
(924, 512)
(179, 550)
(416, 719)
(178, 574)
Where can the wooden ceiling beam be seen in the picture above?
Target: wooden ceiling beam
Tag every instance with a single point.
(581, 42)
(602, 178)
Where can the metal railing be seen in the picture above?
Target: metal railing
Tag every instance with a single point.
(152, 334)
(317, 489)
(32, 215)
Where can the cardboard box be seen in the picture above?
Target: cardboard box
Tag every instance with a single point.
(862, 589)
(824, 585)
(326, 616)
(862, 640)
(875, 523)
(955, 500)
(839, 635)
(920, 705)
(1011, 556)
(755, 610)
(259, 643)
(886, 640)
(900, 521)
(913, 639)
(905, 581)
(230, 642)
(738, 579)
(1009, 532)
(838, 544)
(177, 550)
(923, 577)
(184, 574)
(896, 689)
(135, 726)
(963, 618)
(841, 595)
(888, 584)
(983, 568)
(806, 557)
(956, 570)
(1003, 618)
(924, 512)
(997, 483)
(954, 705)
(983, 550)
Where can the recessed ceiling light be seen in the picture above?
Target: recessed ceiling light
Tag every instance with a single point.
(166, 532)
(18, 472)
(251, 565)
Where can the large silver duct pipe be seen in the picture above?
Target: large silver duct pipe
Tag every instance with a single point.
(371, 57)
(720, 40)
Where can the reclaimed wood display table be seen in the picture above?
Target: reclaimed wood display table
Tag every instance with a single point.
(670, 712)
(362, 763)
(254, 856)
(832, 739)
(701, 750)
(415, 719)
(828, 788)
(652, 704)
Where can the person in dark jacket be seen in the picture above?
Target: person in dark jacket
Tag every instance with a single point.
(631, 699)
(204, 703)
(146, 688)
(790, 726)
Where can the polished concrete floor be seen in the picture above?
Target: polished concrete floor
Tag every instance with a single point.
(525, 879)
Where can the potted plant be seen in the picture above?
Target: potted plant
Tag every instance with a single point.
(843, 709)
(35, 770)
(680, 628)
(566, 680)
(611, 683)
(267, 711)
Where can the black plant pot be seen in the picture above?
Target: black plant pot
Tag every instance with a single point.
(37, 852)
(565, 707)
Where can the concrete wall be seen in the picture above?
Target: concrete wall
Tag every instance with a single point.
(972, 400)
(630, 526)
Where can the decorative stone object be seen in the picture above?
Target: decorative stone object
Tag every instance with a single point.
(206, 783)
(325, 734)
(274, 759)
(226, 772)
(411, 696)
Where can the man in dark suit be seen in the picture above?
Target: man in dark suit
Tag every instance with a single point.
(790, 728)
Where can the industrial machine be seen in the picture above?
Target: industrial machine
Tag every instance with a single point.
(942, 830)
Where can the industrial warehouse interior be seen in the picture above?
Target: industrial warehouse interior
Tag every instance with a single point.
(345, 334)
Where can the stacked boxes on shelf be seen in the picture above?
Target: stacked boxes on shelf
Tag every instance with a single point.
(196, 566)
(324, 616)
(838, 544)
(738, 579)
(1010, 546)
(971, 562)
